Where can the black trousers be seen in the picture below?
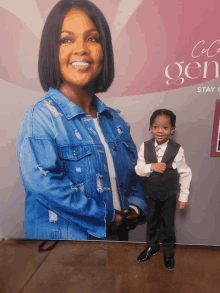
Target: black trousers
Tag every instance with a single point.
(160, 223)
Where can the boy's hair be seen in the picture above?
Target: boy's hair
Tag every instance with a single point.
(164, 112)
(48, 63)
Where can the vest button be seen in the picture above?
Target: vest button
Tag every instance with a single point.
(100, 118)
(115, 148)
(75, 153)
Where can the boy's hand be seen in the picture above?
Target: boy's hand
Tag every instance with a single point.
(182, 205)
(158, 167)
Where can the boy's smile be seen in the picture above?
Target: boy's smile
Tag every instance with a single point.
(162, 128)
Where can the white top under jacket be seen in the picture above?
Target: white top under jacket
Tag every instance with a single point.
(116, 201)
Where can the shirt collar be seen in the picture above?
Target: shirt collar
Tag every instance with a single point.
(163, 145)
(69, 108)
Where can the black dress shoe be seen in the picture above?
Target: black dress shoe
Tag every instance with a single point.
(169, 261)
(147, 253)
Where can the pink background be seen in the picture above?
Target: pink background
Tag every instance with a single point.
(147, 35)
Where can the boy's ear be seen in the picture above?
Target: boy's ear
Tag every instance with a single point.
(173, 129)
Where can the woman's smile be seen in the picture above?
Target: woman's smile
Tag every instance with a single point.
(81, 64)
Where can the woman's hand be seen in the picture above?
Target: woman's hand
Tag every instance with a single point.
(158, 167)
(130, 213)
(125, 220)
(118, 219)
(114, 226)
(182, 205)
(131, 218)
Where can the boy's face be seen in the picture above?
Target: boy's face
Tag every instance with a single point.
(161, 128)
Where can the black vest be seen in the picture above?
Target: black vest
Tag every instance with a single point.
(161, 185)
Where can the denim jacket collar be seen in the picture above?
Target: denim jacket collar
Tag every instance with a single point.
(70, 109)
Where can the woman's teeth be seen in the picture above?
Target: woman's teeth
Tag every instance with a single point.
(80, 63)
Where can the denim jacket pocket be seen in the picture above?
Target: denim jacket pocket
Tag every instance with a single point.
(77, 162)
(130, 152)
(129, 146)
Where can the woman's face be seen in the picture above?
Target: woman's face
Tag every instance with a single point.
(80, 50)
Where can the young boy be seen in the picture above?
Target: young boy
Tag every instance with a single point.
(162, 162)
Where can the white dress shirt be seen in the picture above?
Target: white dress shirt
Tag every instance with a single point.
(179, 163)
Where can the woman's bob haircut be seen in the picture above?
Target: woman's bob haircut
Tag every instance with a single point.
(48, 64)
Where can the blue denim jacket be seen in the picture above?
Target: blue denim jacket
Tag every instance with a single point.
(65, 173)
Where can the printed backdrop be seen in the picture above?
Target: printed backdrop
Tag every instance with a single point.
(154, 42)
(166, 56)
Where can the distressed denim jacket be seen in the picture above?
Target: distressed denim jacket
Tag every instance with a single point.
(64, 169)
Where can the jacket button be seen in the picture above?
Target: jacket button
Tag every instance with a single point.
(121, 185)
(75, 153)
(100, 118)
(115, 148)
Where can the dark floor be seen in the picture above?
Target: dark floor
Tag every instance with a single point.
(80, 266)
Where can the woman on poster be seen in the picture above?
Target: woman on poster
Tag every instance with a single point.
(76, 155)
